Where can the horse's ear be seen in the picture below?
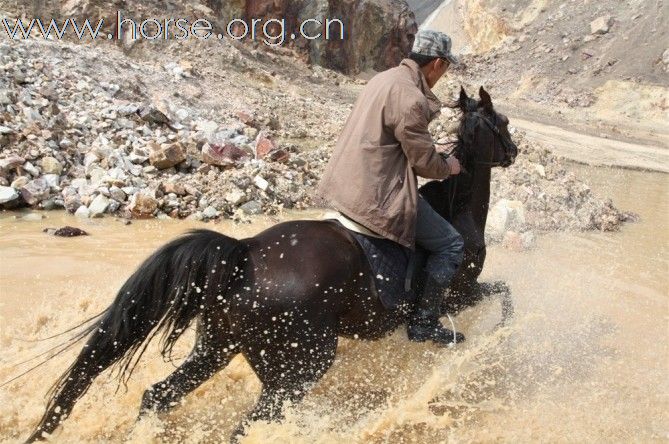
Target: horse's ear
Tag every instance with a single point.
(462, 100)
(486, 101)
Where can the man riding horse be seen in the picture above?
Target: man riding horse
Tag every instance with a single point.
(270, 296)
(371, 176)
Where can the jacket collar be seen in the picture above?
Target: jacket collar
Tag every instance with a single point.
(419, 79)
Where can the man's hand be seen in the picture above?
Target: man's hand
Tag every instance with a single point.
(453, 164)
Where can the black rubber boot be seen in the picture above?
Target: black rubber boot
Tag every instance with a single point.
(424, 324)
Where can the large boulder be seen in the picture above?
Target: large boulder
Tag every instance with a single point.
(377, 33)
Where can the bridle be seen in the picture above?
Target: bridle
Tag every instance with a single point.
(507, 144)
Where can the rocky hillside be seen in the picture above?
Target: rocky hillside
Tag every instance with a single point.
(571, 53)
(374, 38)
(164, 134)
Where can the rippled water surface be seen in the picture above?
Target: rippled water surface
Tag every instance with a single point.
(585, 359)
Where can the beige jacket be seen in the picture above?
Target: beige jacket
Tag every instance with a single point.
(385, 143)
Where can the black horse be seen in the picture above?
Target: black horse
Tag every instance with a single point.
(280, 298)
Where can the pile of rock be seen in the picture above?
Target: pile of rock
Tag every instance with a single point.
(536, 194)
(71, 139)
(95, 147)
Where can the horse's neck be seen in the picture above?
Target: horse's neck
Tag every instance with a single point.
(471, 197)
(479, 200)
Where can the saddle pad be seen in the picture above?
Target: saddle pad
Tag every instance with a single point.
(350, 224)
(389, 262)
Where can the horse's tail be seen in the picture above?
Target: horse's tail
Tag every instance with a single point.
(171, 288)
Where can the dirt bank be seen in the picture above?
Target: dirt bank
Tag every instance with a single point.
(547, 64)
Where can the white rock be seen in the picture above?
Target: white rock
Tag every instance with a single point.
(182, 114)
(90, 159)
(498, 221)
(504, 215)
(529, 239)
(82, 212)
(210, 212)
(97, 174)
(137, 159)
(7, 194)
(235, 196)
(98, 206)
(117, 174)
(601, 25)
(540, 169)
(78, 183)
(517, 212)
(261, 183)
(53, 180)
(206, 126)
(30, 169)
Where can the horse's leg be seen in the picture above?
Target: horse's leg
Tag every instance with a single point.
(288, 365)
(465, 290)
(213, 350)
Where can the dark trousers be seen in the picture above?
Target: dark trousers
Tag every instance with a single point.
(442, 242)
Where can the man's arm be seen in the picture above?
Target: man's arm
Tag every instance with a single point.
(413, 134)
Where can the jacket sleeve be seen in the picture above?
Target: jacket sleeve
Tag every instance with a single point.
(412, 133)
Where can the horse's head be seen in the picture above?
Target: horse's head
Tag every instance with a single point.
(483, 135)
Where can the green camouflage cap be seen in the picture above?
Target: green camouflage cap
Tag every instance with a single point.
(433, 44)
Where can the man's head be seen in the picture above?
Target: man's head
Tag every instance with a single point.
(432, 51)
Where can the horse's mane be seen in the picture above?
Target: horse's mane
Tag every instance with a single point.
(436, 191)
(466, 127)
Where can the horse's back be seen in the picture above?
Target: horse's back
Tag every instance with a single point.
(318, 269)
(298, 259)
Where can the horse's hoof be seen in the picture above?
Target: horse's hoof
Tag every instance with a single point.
(238, 433)
(500, 287)
(153, 402)
(148, 404)
(489, 288)
(36, 436)
(437, 334)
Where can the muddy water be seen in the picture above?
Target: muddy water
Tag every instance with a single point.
(586, 358)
